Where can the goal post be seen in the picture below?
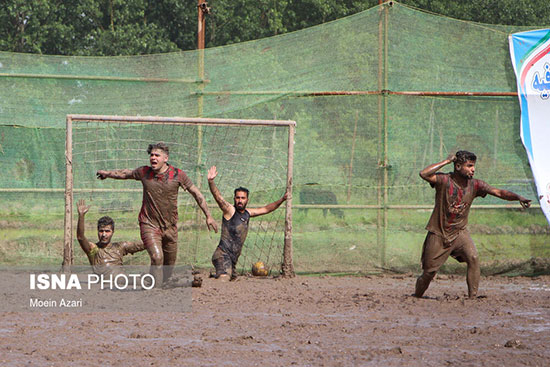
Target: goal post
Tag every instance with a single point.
(257, 154)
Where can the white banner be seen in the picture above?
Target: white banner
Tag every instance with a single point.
(530, 52)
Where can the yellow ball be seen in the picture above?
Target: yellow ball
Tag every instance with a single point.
(259, 269)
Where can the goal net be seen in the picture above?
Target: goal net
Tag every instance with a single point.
(256, 154)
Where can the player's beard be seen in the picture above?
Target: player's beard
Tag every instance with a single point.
(240, 206)
(465, 175)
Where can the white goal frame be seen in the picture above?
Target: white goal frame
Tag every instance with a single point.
(287, 267)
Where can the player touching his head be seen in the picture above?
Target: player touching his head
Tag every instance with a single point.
(234, 226)
(447, 232)
(159, 209)
(104, 256)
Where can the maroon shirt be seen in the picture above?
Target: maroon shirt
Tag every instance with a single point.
(452, 205)
(159, 207)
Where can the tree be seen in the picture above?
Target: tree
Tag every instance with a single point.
(506, 12)
(129, 27)
(81, 27)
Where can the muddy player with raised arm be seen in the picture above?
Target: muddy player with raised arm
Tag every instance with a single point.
(447, 231)
(234, 226)
(104, 256)
(159, 210)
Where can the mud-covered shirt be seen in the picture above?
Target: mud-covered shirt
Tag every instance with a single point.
(234, 233)
(452, 205)
(110, 256)
(159, 207)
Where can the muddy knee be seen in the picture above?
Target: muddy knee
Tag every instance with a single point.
(473, 260)
(157, 258)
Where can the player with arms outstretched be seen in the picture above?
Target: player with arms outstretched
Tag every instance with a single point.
(104, 256)
(234, 226)
(447, 232)
(159, 210)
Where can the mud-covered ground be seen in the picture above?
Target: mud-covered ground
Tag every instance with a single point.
(304, 321)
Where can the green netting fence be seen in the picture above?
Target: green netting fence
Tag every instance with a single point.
(377, 96)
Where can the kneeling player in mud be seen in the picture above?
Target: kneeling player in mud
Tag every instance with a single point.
(447, 232)
(104, 256)
(234, 226)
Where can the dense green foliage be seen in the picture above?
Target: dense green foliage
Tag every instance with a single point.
(128, 27)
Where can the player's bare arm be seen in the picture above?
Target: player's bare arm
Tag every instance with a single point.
(133, 247)
(82, 240)
(429, 172)
(227, 209)
(510, 196)
(118, 174)
(269, 207)
(199, 198)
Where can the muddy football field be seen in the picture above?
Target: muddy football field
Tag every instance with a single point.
(302, 321)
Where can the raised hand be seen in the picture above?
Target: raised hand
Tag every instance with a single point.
(82, 207)
(212, 173)
(452, 157)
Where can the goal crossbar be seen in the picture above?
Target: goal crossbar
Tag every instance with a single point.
(180, 120)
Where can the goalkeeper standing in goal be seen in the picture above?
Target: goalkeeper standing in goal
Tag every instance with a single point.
(234, 226)
(159, 210)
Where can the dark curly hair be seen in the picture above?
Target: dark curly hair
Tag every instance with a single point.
(462, 156)
(106, 221)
